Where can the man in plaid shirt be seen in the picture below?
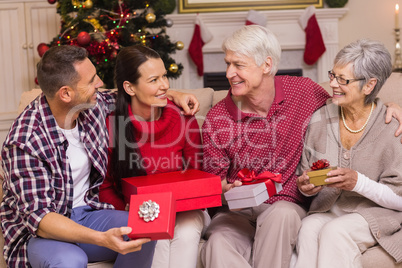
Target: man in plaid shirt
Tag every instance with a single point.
(55, 159)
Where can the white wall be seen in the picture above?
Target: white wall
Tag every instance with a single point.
(373, 19)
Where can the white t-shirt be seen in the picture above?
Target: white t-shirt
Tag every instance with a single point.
(79, 163)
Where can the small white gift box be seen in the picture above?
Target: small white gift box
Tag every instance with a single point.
(247, 196)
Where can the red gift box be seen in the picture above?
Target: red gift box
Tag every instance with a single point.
(162, 227)
(193, 189)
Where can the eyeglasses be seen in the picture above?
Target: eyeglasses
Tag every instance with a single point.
(341, 81)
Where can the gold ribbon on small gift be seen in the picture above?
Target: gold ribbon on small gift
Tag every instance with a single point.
(248, 177)
(149, 211)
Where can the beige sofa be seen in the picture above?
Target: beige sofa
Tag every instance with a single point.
(392, 91)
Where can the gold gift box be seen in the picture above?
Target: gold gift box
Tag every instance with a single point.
(317, 177)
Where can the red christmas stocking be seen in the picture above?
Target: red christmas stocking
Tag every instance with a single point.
(315, 46)
(201, 36)
(255, 17)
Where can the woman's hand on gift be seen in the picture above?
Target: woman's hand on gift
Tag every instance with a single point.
(342, 178)
(305, 187)
(227, 186)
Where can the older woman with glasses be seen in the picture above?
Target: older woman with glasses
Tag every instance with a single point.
(360, 205)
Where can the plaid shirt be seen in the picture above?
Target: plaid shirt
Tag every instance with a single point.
(38, 178)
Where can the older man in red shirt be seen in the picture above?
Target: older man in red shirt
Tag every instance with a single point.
(260, 126)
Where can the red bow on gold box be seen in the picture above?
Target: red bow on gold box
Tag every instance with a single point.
(271, 180)
(318, 172)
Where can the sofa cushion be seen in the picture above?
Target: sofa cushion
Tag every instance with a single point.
(27, 97)
(102, 264)
(218, 96)
(392, 89)
(204, 96)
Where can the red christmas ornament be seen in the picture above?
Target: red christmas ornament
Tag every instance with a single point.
(42, 48)
(51, 1)
(83, 38)
(113, 54)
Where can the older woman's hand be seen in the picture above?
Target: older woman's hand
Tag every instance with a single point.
(342, 178)
(305, 187)
(394, 110)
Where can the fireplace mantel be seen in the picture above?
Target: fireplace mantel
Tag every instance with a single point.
(284, 23)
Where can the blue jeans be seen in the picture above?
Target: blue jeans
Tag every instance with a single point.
(52, 253)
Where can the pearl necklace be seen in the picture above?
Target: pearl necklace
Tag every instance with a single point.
(365, 124)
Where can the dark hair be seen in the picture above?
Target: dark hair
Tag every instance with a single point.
(128, 62)
(56, 68)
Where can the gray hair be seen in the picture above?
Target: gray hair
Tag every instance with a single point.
(370, 59)
(257, 42)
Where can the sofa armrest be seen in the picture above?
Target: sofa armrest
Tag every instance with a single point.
(27, 97)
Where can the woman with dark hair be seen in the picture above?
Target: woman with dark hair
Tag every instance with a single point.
(149, 135)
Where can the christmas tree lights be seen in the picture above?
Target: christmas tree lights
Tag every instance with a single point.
(103, 27)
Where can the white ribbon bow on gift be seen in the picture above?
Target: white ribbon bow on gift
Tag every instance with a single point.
(149, 211)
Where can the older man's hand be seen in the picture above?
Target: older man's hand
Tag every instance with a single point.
(394, 110)
(227, 186)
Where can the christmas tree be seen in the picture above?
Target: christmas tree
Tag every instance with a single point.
(103, 27)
